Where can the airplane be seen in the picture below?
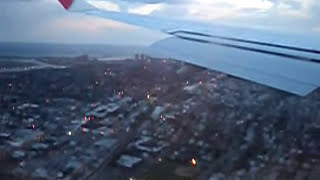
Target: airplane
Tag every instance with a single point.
(282, 60)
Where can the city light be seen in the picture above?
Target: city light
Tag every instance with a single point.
(193, 162)
(85, 130)
(185, 120)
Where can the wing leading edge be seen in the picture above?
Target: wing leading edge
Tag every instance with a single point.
(287, 62)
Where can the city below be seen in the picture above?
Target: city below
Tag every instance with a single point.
(145, 118)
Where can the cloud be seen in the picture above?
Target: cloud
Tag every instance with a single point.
(316, 29)
(207, 10)
(215, 9)
(47, 21)
(195, 9)
(146, 9)
(87, 24)
(285, 8)
(157, 1)
(14, 1)
(105, 5)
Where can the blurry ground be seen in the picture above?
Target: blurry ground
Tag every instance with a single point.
(235, 129)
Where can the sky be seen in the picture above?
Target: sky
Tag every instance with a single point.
(47, 21)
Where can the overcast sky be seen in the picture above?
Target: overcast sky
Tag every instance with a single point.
(47, 21)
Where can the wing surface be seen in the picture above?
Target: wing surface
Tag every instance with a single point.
(285, 61)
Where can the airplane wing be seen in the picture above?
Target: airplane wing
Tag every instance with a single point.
(288, 62)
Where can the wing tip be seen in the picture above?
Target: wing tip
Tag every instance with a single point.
(66, 3)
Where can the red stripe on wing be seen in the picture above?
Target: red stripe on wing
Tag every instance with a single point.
(66, 3)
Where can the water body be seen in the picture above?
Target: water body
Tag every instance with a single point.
(35, 65)
(65, 50)
(115, 58)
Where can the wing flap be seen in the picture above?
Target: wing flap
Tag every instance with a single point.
(282, 50)
(263, 60)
